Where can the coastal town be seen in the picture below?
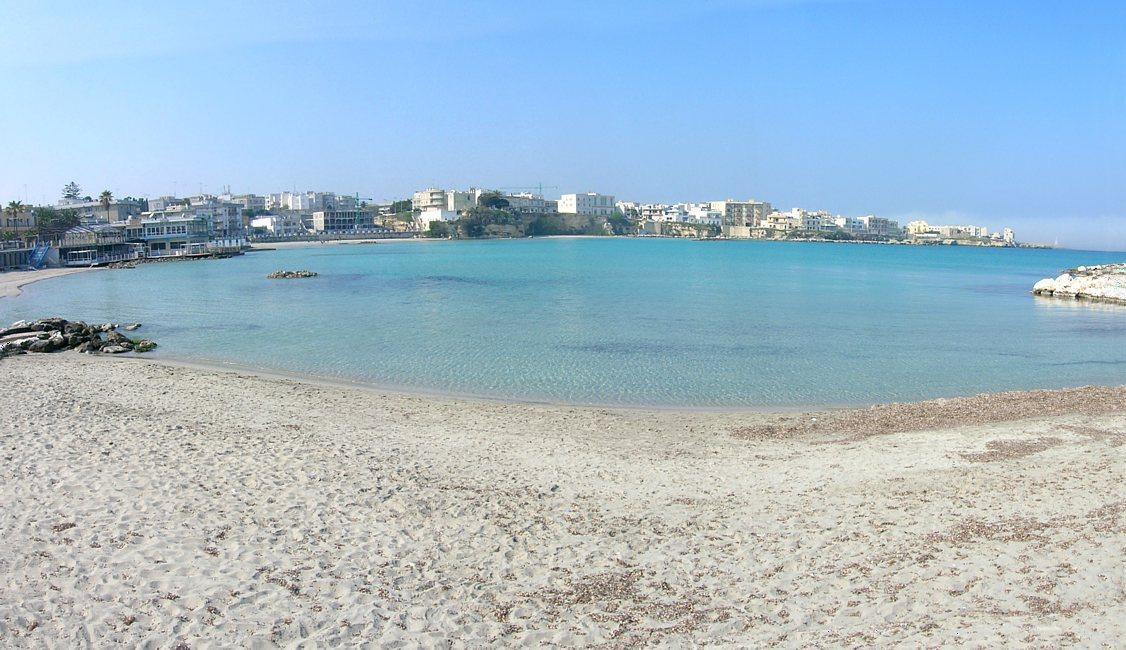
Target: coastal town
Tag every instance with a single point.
(81, 230)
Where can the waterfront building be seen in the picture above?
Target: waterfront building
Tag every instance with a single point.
(451, 200)
(590, 204)
(430, 215)
(881, 227)
(165, 233)
(341, 220)
(1009, 236)
(226, 218)
(280, 225)
(781, 221)
(918, 227)
(15, 254)
(851, 225)
(737, 217)
(702, 213)
(95, 245)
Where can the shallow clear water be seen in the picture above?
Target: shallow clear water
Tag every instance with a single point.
(623, 321)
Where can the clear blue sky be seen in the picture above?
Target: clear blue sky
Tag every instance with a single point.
(994, 113)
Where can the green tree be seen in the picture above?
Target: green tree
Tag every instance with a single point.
(438, 229)
(50, 222)
(71, 190)
(401, 206)
(492, 200)
(14, 209)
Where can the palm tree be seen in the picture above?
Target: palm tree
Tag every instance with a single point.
(14, 209)
(106, 199)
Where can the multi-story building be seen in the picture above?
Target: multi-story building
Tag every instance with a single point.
(226, 218)
(881, 227)
(451, 200)
(590, 203)
(740, 214)
(246, 201)
(341, 220)
(851, 225)
(92, 212)
(527, 203)
(702, 213)
(782, 221)
(95, 245)
(165, 233)
(279, 225)
(1009, 236)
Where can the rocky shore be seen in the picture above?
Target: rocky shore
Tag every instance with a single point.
(1102, 283)
(58, 334)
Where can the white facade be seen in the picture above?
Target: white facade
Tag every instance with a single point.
(430, 215)
(280, 225)
(590, 203)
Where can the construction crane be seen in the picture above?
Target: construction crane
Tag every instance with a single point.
(539, 188)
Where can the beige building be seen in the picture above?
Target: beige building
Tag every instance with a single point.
(741, 213)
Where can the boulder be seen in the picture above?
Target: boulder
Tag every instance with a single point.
(114, 349)
(131, 327)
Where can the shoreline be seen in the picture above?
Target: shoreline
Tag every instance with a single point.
(200, 507)
(11, 282)
(377, 388)
(892, 417)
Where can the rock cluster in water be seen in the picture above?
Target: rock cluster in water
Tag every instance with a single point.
(58, 334)
(291, 275)
(1103, 283)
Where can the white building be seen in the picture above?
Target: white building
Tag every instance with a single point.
(590, 203)
(851, 225)
(451, 200)
(702, 213)
(281, 225)
(430, 215)
(881, 227)
(1009, 236)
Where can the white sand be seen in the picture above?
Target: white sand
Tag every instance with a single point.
(150, 504)
(11, 281)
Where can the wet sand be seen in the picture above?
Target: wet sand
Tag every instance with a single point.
(12, 281)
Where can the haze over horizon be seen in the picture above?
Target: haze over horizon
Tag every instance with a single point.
(1011, 114)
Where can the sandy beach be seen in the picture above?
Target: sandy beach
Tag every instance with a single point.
(154, 505)
(12, 281)
(337, 242)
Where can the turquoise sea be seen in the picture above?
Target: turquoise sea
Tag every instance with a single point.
(623, 321)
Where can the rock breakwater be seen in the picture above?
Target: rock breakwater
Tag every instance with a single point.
(291, 275)
(1102, 283)
(58, 334)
